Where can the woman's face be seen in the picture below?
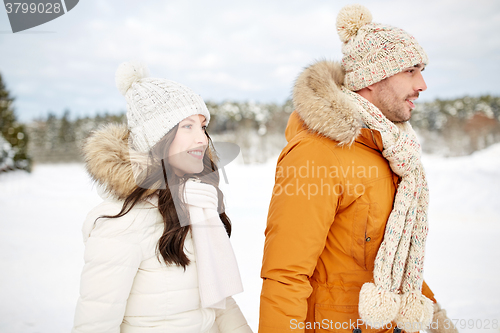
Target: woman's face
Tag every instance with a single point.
(188, 148)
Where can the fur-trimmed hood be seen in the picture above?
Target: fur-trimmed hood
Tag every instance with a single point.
(111, 163)
(322, 105)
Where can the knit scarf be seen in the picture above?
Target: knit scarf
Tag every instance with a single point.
(395, 293)
(218, 274)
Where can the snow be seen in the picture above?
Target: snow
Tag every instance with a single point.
(41, 249)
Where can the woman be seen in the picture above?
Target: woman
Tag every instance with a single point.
(157, 253)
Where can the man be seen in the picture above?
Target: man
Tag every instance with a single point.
(347, 221)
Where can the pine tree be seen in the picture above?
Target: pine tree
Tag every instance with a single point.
(6, 155)
(12, 131)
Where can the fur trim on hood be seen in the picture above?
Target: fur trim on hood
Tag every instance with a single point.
(322, 105)
(111, 163)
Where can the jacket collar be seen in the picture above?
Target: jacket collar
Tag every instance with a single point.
(366, 137)
(323, 107)
(111, 163)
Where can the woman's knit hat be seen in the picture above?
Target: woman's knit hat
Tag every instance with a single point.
(154, 106)
(373, 51)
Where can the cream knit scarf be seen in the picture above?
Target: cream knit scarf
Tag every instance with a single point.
(218, 274)
(395, 294)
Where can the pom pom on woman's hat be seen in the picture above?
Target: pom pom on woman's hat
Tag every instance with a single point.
(129, 73)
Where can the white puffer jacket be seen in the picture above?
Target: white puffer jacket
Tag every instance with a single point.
(125, 286)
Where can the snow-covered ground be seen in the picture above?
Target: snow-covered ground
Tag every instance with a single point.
(41, 249)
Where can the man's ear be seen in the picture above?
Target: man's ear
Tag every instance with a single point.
(365, 90)
(370, 87)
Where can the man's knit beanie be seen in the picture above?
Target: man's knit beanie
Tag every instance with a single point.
(373, 51)
(154, 106)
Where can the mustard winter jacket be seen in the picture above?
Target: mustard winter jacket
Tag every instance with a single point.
(332, 197)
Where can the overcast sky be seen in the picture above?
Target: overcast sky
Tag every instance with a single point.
(236, 50)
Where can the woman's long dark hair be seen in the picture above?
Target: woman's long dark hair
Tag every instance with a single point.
(170, 204)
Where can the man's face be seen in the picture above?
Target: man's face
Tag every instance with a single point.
(394, 96)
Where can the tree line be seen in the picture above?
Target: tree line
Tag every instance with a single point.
(451, 127)
(458, 127)
(257, 128)
(447, 127)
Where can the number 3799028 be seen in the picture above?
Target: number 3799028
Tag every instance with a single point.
(471, 323)
(23, 7)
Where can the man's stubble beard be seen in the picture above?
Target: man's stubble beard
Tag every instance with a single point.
(394, 108)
